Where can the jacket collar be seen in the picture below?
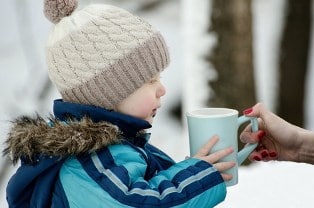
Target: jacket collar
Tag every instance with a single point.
(129, 125)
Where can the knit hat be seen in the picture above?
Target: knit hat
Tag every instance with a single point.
(101, 54)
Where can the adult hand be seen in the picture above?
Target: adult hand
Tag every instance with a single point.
(278, 139)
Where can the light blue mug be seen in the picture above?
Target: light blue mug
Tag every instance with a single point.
(204, 123)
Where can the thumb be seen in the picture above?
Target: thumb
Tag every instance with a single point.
(256, 111)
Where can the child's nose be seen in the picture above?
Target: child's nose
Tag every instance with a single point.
(161, 91)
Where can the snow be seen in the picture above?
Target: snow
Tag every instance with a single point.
(272, 184)
(267, 41)
(196, 44)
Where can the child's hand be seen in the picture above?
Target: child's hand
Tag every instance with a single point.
(203, 154)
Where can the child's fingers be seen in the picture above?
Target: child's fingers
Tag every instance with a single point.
(214, 157)
(226, 177)
(205, 149)
(223, 166)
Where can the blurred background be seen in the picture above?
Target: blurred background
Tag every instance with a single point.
(224, 53)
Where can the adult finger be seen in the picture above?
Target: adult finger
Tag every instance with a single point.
(252, 137)
(257, 110)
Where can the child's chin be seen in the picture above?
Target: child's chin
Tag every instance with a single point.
(150, 120)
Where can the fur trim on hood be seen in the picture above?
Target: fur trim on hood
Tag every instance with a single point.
(30, 137)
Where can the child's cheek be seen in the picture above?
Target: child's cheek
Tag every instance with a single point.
(145, 108)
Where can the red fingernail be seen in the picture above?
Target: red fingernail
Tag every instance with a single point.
(273, 154)
(260, 135)
(264, 154)
(257, 158)
(248, 111)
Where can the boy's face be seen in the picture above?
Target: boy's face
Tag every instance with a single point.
(144, 102)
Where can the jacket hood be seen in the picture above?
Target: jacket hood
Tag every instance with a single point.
(30, 137)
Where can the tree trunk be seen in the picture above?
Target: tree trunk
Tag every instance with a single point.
(294, 61)
(232, 56)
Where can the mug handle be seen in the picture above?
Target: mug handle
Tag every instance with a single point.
(246, 151)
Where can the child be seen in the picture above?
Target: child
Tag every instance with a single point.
(94, 152)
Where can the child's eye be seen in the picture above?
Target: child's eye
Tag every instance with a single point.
(152, 81)
(155, 79)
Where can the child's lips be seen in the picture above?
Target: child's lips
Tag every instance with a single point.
(154, 112)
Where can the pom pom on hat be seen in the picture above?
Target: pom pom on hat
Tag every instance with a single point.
(55, 10)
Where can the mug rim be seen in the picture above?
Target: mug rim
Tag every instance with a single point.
(219, 112)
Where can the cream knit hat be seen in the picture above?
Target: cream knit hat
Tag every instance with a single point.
(101, 54)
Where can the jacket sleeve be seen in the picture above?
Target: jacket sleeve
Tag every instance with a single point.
(116, 179)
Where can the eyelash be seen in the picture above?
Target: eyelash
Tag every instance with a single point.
(153, 81)
(157, 79)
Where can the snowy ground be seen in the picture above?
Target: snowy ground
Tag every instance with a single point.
(273, 184)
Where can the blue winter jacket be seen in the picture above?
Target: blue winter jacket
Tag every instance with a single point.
(90, 157)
